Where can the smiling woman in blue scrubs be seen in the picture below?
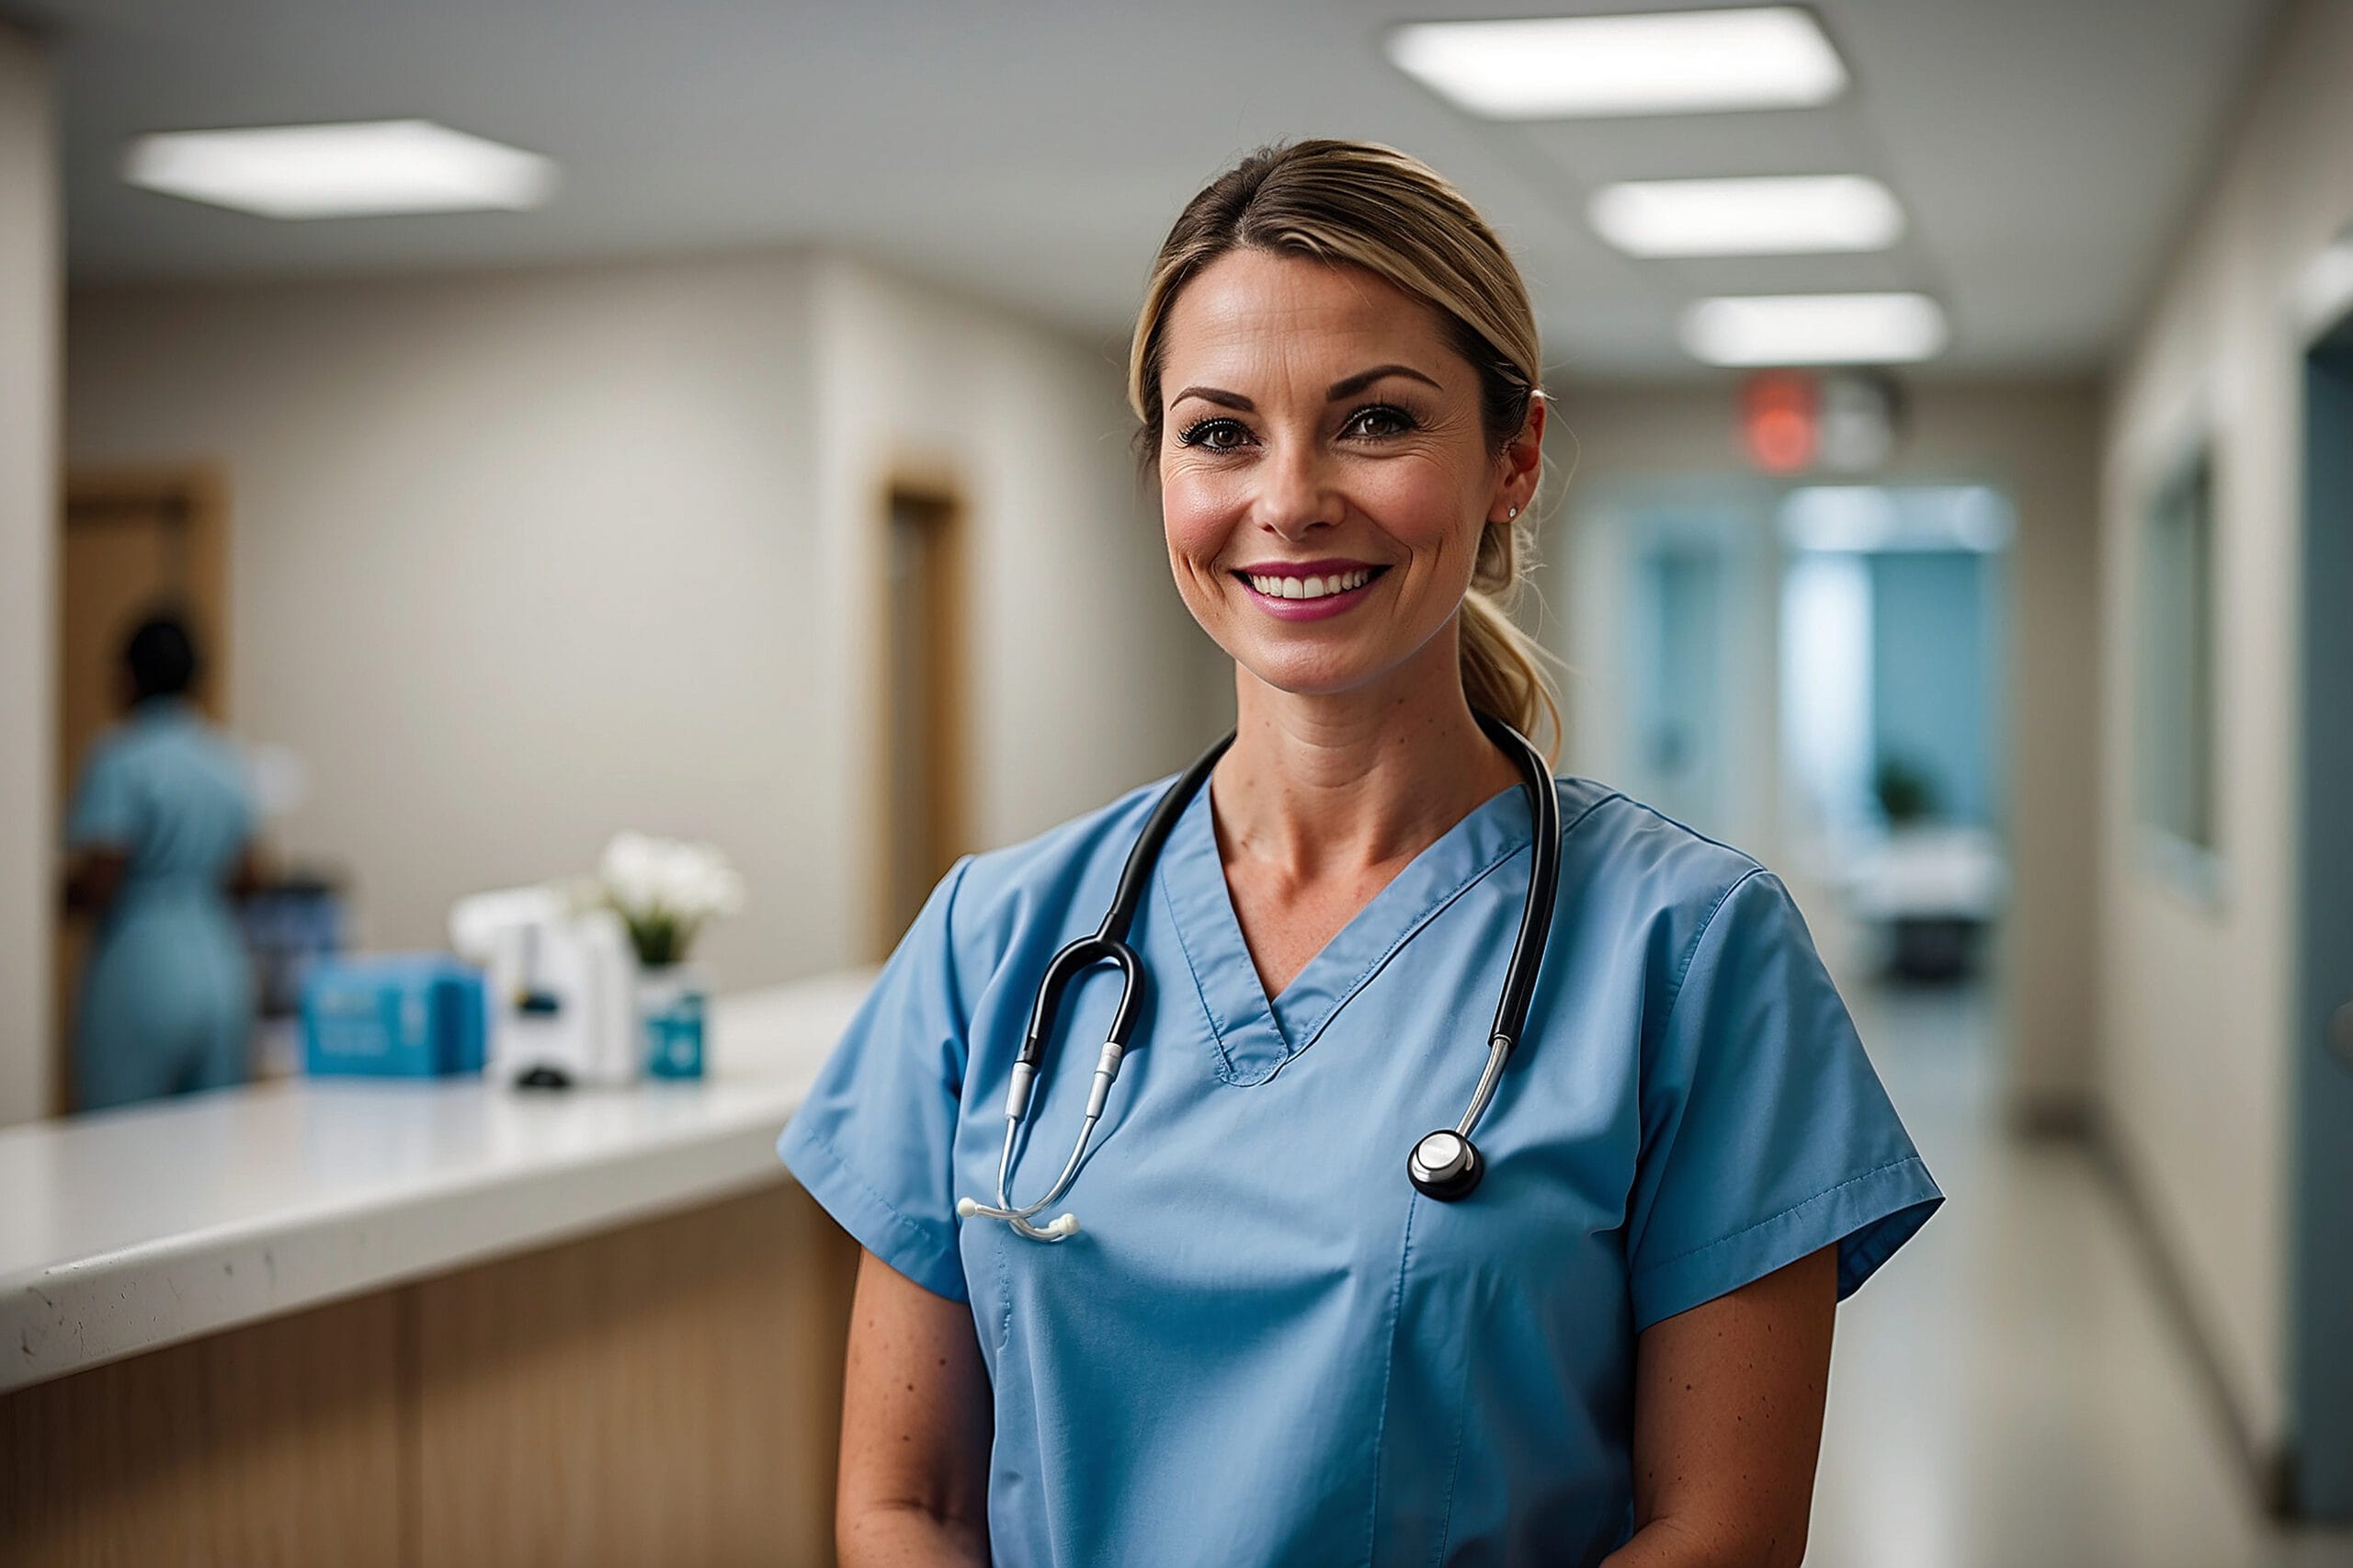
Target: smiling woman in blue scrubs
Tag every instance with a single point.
(1263, 1345)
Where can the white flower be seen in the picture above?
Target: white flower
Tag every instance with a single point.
(631, 871)
(646, 877)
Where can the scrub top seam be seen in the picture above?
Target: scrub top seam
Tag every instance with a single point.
(1691, 949)
(1777, 1214)
(1679, 826)
(1193, 969)
(1577, 821)
(1389, 1376)
(850, 1173)
(858, 1180)
(1453, 1467)
(961, 1013)
(1435, 909)
(1310, 1034)
(1413, 928)
(1004, 1294)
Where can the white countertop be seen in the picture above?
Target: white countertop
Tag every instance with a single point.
(134, 1229)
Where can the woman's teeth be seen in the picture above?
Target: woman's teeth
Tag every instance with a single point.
(1312, 587)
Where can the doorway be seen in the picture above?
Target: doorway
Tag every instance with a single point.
(925, 823)
(132, 540)
(1893, 719)
(2320, 1183)
(1691, 617)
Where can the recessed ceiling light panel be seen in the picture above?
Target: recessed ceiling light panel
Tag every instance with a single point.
(1663, 63)
(340, 171)
(1774, 216)
(1814, 329)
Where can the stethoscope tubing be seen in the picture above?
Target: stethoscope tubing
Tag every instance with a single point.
(1457, 1169)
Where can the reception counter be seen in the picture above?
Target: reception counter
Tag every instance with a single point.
(425, 1322)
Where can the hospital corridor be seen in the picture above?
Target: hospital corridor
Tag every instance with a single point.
(1243, 784)
(2023, 1395)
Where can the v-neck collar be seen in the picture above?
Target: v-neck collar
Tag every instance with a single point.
(1255, 1036)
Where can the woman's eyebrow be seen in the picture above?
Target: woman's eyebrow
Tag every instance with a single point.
(1352, 385)
(1218, 396)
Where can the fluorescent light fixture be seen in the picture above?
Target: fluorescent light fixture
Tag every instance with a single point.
(340, 171)
(1814, 329)
(1773, 216)
(1665, 62)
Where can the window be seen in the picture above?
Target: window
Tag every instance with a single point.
(2178, 658)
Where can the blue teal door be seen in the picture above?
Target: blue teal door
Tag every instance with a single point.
(2321, 1303)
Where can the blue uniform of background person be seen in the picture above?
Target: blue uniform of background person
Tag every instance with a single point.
(1264, 1345)
(167, 999)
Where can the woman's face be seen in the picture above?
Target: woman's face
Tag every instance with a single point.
(1324, 474)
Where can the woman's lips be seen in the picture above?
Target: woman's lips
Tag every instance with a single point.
(1318, 609)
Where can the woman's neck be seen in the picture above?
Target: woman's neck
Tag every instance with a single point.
(1338, 783)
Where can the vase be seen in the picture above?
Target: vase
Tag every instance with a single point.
(670, 1009)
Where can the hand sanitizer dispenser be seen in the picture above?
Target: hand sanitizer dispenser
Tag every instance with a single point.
(562, 1005)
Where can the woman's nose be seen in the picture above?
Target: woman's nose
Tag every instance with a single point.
(1295, 493)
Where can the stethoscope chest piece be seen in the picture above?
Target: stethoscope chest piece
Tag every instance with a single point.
(1445, 1165)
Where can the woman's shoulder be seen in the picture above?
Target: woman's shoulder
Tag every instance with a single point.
(1660, 903)
(1625, 858)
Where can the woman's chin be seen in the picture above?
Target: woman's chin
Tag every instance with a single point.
(1320, 671)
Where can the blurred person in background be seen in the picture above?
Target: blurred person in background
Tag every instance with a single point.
(161, 827)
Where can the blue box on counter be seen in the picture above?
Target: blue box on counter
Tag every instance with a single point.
(394, 1016)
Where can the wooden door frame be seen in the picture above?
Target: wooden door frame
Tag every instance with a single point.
(931, 484)
(199, 492)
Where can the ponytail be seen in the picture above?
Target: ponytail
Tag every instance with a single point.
(1504, 669)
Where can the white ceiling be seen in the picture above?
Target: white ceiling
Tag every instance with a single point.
(1033, 152)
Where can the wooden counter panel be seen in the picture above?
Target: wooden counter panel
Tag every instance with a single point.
(276, 1443)
(669, 1392)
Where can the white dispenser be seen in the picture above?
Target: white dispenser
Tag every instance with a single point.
(562, 987)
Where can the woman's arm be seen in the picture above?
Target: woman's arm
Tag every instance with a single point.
(1728, 1424)
(94, 880)
(245, 876)
(915, 1429)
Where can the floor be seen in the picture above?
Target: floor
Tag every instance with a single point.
(2008, 1392)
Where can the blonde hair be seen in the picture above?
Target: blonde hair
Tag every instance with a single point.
(1365, 205)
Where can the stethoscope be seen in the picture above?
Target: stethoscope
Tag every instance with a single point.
(1444, 1164)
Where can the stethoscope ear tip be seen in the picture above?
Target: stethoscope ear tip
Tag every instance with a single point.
(966, 1208)
(1066, 1227)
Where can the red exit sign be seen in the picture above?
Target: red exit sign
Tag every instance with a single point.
(1847, 421)
(1781, 420)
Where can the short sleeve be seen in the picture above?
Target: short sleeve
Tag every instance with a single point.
(874, 1139)
(104, 811)
(1766, 1134)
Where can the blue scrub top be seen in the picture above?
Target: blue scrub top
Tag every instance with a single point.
(166, 1003)
(1264, 1345)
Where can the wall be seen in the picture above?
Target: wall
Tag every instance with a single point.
(2037, 442)
(29, 246)
(518, 559)
(2198, 1032)
(515, 561)
(1087, 673)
